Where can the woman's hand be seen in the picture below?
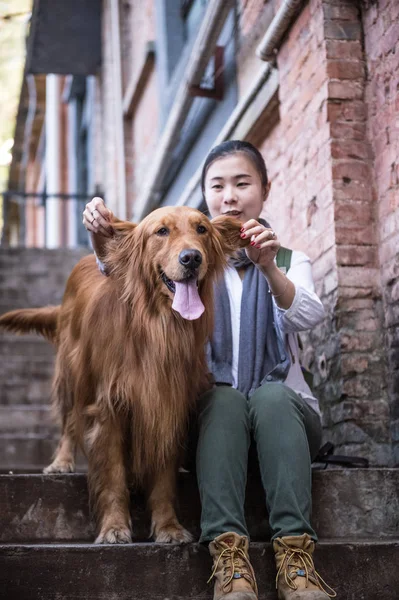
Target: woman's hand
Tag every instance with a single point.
(264, 243)
(97, 217)
(262, 251)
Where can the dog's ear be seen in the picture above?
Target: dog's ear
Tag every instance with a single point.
(229, 230)
(119, 246)
(121, 228)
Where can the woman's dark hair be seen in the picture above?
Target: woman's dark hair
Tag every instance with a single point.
(233, 147)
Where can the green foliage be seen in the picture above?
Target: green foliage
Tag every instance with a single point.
(13, 32)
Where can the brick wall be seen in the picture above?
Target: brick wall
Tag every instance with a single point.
(322, 201)
(359, 420)
(381, 43)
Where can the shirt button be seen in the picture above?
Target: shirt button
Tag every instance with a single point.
(283, 357)
(269, 378)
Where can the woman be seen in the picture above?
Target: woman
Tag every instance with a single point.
(259, 389)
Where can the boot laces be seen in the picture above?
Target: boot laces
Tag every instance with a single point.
(296, 558)
(238, 562)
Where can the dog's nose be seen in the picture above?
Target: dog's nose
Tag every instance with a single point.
(190, 258)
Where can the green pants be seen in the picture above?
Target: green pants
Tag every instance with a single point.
(287, 433)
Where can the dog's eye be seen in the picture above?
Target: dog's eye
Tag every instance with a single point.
(163, 231)
(201, 229)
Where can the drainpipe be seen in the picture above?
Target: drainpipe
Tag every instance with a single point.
(120, 199)
(72, 175)
(277, 29)
(53, 204)
(203, 49)
(266, 50)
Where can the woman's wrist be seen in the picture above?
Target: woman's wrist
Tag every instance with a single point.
(280, 286)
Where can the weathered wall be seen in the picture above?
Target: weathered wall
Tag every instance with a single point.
(320, 163)
(381, 44)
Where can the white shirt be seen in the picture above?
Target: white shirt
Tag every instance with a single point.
(305, 312)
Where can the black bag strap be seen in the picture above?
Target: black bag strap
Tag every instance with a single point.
(326, 455)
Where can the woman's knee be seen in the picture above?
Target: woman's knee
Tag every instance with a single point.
(224, 402)
(273, 399)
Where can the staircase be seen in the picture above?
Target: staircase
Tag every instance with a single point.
(46, 531)
(29, 278)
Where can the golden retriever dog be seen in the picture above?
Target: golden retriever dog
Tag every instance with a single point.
(131, 359)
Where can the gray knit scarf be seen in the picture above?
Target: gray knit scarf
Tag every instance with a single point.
(262, 354)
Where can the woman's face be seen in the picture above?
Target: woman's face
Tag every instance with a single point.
(233, 187)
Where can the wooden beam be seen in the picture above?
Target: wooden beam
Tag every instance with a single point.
(138, 81)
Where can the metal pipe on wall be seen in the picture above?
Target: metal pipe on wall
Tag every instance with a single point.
(267, 48)
(277, 28)
(72, 174)
(53, 205)
(202, 51)
(118, 109)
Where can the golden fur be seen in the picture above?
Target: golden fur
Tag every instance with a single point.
(128, 367)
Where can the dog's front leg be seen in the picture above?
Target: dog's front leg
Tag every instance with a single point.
(108, 489)
(64, 460)
(164, 524)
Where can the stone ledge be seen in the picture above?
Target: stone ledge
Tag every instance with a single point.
(356, 503)
(160, 572)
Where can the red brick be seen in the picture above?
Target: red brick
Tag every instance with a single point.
(348, 130)
(342, 30)
(341, 13)
(356, 388)
(355, 304)
(345, 69)
(345, 90)
(357, 213)
(357, 256)
(350, 149)
(351, 171)
(354, 363)
(350, 50)
(364, 277)
(354, 234)
(346, 111)
(361, 342)
(353, 191)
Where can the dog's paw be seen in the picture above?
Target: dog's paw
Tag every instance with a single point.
(173, 534)
(59, 466)
(114, 535)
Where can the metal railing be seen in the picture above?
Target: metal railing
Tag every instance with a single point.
(42, 219)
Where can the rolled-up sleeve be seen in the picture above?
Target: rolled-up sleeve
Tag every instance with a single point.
(306, 310)
(101, 265)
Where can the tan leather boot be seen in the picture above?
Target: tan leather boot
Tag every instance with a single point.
(297, 578)
(235, 577)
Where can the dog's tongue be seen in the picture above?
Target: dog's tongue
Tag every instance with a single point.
(187, 301)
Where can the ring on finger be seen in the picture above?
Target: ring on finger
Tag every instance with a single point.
(273, 235)
(92, 221)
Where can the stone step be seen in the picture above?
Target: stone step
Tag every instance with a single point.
(356, 503)
(26, 453)
(356, 570)
(25, 419)
(26, 369)
(28, 437)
